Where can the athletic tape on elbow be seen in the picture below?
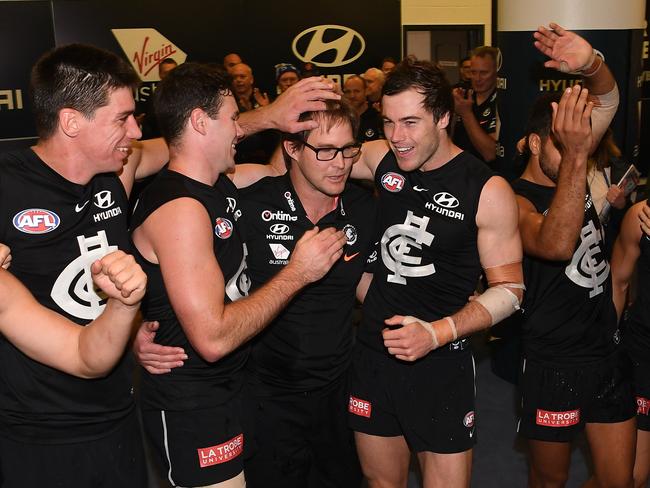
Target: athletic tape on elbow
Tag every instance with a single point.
(500, 301)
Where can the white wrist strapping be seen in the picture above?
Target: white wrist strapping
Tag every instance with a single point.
(427, 326)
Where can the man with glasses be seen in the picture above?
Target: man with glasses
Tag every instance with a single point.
(297, 391)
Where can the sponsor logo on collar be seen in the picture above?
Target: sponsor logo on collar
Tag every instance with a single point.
(289, 198)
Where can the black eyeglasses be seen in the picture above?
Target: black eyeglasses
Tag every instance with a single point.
(329, 153)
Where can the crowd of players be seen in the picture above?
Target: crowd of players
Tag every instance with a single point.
(252, 372)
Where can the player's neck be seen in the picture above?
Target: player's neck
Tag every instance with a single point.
(446, 151)
(193, 165)
(534, 174)
(64, 160)
(483, 96)
(316, 203)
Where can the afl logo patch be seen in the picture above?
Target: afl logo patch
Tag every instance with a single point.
(36, 221)
(392, 182)
(468, 421)
(350, 234)
(446, 200)
(222, 228)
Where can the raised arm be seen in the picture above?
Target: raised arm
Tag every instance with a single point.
(195, 283)
(571, 53)
(500, 251)
(553, 235)
(372, 152)
(48, 337)
(625, 255)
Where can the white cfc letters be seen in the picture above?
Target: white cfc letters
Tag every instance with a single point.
(397, 243)
(589, 268)
(74, 290)
(240, 283)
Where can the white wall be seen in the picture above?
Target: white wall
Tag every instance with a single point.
(449, 12)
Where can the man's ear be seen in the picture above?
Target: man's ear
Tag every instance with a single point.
(443, 122)
(534, 143)
(198, 121)
(70, 121)
(291, 148)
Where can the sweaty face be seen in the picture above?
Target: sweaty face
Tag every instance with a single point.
(354, 91)
(326, 177)
(484, 75)
(286, 80)
(242, 79)
(410, 130)
(224, 132)
(105, 139)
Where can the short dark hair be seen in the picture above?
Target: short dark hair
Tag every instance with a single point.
(540, 119)
(336, 112)
(169, 61)
(428, 80)
(190, 86)
(75, 76)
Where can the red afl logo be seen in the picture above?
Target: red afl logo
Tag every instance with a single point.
(223, 228)
(36, 221)
(393, 182)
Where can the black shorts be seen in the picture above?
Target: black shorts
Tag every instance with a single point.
(430, 402)
(114, 460)
(641, 385)
(558, 400)
(302, 440)
(197, 447)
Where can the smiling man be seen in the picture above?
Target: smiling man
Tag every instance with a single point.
(444, 219)
(62, 207)
(187, 229)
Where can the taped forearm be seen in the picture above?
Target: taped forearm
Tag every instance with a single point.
(603, 113)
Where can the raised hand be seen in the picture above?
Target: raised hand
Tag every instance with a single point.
(568, 51)
(316, 252)
(572, 122)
